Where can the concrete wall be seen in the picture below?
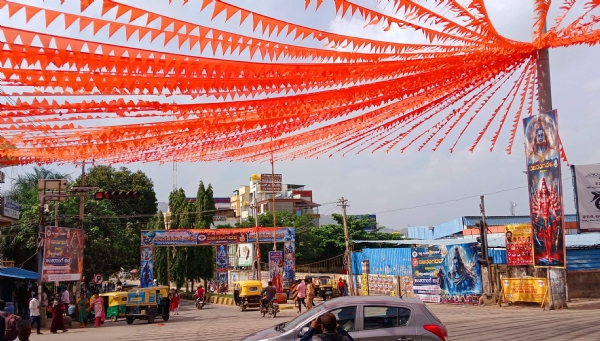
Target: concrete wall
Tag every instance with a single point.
(583, 284)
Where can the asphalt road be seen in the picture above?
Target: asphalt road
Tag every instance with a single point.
(224, 323)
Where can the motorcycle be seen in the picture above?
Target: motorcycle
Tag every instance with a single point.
(199, 303)
(272, 308)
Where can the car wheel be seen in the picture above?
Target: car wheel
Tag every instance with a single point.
(129, 320)
(113, 318)
(165, 318)
(150, 318)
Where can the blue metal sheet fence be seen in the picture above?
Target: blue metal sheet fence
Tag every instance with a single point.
(389, 261)
(588, 259)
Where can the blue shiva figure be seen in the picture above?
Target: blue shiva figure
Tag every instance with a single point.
(288, 235)
(149, 238)
(459, 278)
(147, 275)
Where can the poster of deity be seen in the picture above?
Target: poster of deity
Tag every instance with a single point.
(542, 149)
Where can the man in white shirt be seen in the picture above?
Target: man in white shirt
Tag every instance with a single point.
(64, 298)
(34, 311)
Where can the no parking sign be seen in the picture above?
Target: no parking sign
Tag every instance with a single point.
(98, 279)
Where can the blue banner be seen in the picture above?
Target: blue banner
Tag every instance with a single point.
(146, 266)
(447, 273)
(222, 269)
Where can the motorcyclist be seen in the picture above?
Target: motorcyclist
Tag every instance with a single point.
(199, 294)
(268, 294)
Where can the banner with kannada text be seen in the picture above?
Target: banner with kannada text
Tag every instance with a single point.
(63, 254)
(542, 148)
(447, 273)
(525, 290)
(518, 245)
(190, 237)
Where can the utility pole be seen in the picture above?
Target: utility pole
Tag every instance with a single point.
(82, 198)
(343, 204)
(274, 209)
(557, 283)
(485, 243)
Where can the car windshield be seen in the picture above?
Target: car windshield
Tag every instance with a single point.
(302, 318)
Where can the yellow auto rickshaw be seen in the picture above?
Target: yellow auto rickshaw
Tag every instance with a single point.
(114, 304)
(247, 294)
(147, 304)
(324, 288)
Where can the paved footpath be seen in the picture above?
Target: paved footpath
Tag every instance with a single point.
(225, 323)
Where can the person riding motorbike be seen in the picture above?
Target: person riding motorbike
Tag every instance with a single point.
(199, 295)
(268, 295)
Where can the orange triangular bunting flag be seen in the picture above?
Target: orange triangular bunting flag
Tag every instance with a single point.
(113, 28)
(30, 12)
(50, 16)
(219, 7)
(13, 8)
(85, 4)
(107, 5)
(69, 20)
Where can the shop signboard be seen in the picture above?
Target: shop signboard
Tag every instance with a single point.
(447, 273)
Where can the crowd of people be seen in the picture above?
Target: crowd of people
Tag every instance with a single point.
(307, 289)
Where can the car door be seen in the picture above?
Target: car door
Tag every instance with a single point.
(388, 323)
(346, 318)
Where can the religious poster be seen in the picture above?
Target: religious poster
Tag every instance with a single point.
(245, 254)
(447, 273)
(381, 285)
(146, 266)
(222, 269)
(191, 237)
(289, 265)
(63, 254)
(587, 178)
(519, 246)
(542, 150)
(276, 269)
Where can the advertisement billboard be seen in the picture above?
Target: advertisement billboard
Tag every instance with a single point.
(587, 188)
(519, 245)
(9, 208)
(525, 290)
(185, 237)
(222, 269)
(542, 150)
(276, 269)
(245, 254)
(447, 273)
(63, 254)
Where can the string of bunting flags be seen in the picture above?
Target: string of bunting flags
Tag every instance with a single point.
(118, 82)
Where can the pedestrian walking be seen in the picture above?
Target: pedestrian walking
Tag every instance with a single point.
(301, 295)
(34, 311)
(172, 300)
(98, 305)
(58, 310)
(176, 299)
(346, 288)
(84, 304)
(310, 293)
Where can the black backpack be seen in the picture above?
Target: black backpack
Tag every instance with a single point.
(328, 337)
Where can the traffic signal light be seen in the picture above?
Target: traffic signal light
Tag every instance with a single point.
(482, 250)
(116, 195)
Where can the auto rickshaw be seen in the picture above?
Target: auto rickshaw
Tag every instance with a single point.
(247, 294)
(324, 288)
(114, 304)
(147, 304)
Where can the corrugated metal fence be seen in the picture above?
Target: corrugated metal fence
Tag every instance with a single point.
(389, 261)
(588, 259)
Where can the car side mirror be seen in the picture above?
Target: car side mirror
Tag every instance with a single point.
(302, 331)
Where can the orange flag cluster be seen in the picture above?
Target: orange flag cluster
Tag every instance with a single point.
(103, 80)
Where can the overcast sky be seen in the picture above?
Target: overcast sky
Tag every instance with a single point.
(395, 182)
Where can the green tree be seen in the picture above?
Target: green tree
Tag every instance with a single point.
(160, 253)
(19, 240)
(178, 263)
(204, 256)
